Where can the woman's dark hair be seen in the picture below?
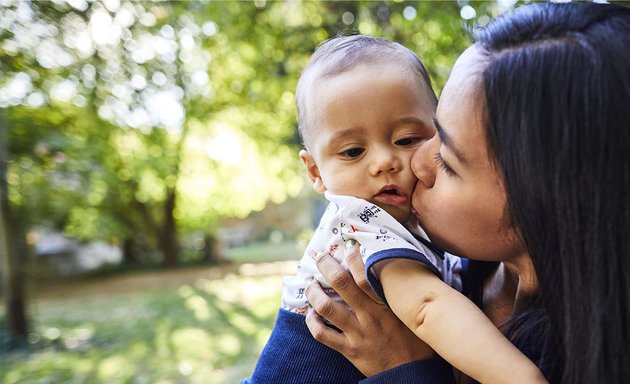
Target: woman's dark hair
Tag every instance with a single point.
(557, 88)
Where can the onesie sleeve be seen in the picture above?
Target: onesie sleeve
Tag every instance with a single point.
(396, 253)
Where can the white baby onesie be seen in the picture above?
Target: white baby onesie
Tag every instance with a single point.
(381, 237)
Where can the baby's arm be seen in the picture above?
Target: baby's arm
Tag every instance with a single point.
(453, 325)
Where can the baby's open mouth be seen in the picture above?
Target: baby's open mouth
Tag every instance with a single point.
(391, 195)
(391, 189)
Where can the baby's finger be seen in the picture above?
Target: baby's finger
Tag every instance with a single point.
(357, 269)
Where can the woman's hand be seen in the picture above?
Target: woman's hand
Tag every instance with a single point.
(372, 337)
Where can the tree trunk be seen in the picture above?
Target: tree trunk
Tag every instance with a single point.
(129, 251)
(168, 240)
(12, 273)
(212, 250)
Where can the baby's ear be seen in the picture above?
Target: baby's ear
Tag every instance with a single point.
(312, 170)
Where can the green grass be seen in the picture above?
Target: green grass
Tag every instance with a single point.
(204, 326)
(257, 252)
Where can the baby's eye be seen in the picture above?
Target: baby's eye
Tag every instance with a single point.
(407, 141)
(353, 152)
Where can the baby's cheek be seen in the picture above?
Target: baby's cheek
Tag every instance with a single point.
(345, 184)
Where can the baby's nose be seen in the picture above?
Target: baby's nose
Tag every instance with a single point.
(385, 161)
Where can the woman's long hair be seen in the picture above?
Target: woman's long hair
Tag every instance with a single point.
(557, 91)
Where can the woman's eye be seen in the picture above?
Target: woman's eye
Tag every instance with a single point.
(442, 164)
(407, 141)
(353, 152)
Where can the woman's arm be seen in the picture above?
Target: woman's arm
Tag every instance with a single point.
(453, 325)
(291, 356)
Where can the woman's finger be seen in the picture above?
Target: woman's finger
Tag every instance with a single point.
(340, 280)
(357, 269)
(324, 333)
(334, 312)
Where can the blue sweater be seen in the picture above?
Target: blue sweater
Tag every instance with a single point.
(293, 356)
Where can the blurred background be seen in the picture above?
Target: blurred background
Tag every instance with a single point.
(151, 195)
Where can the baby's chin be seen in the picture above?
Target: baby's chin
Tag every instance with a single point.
(401, 214)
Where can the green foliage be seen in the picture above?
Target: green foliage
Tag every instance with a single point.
(153, 119)
(137, 122)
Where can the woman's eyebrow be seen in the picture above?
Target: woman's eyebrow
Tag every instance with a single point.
(448, 142)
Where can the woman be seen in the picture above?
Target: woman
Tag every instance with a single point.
(526, 178)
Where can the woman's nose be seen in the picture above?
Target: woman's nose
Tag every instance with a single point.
(385, 161)
(422, 163)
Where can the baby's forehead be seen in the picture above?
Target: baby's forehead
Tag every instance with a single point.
(350, 101)
(334, 68)
(376, 70)
(313, 101)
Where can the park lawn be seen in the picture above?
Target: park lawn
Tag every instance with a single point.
(264, 251)
(189, 325)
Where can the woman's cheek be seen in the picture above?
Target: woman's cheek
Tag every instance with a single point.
(427, 207)
(446, 198)
(443, 214)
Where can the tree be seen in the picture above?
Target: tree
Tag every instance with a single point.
(10, 263)
(137, 120)
(141, 122)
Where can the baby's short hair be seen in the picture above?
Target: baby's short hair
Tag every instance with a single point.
(342, 53)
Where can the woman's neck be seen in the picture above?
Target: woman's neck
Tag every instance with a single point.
(508, 289)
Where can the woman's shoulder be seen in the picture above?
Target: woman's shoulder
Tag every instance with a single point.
(530, 331)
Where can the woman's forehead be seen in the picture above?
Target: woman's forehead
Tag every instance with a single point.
(467, 71)
(461, 108)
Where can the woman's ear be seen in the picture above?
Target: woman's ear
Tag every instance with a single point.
(312, 170)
